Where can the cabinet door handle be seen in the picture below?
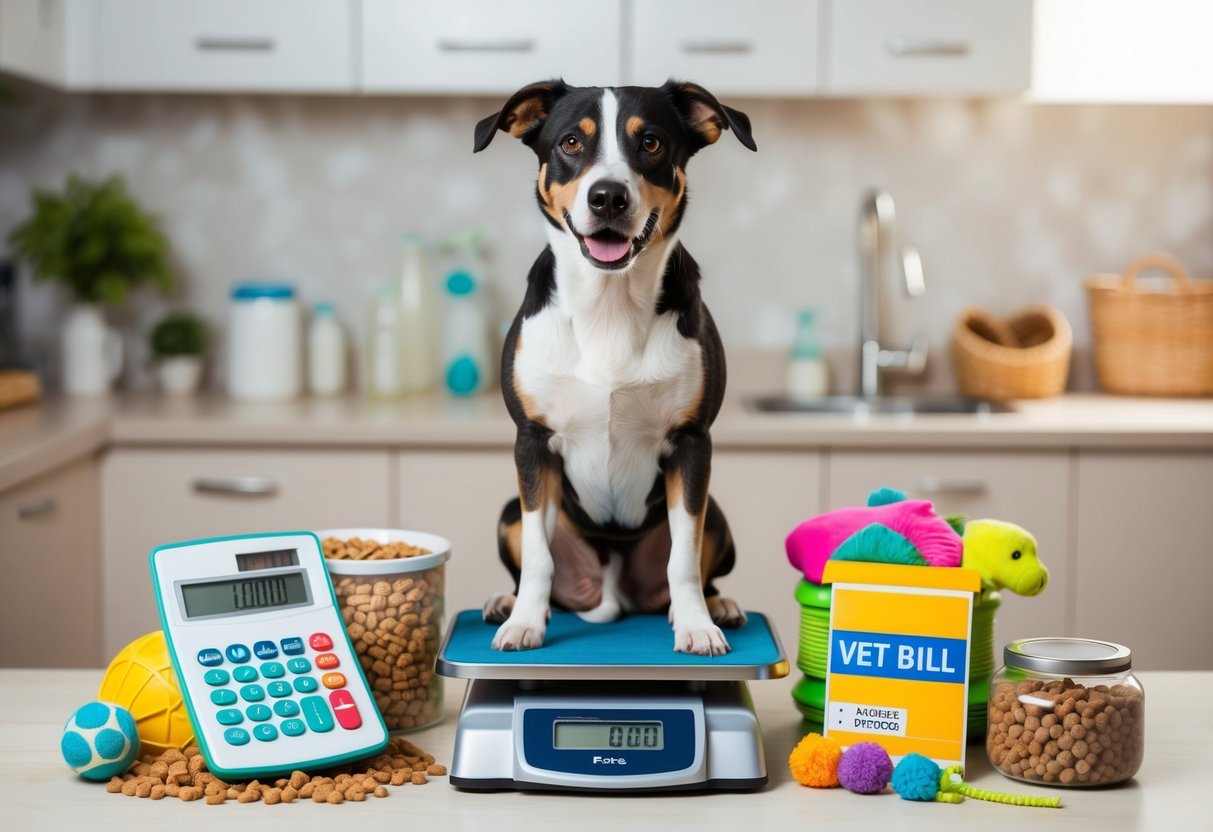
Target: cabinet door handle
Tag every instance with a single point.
(717, 47)
(921, 47)
(208, 43)
(236, 486)
(45, 506)
(958, 487)
(516, 45)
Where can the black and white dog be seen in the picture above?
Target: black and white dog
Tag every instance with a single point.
(613, 370)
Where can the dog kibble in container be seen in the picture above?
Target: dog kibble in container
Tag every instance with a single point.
(1066, 712)
(389, 586)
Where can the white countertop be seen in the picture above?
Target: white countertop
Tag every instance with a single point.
(38, 791)
(38, 438)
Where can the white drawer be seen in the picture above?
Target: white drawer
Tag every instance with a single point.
(959, 47)
(487, 46)
(762, 47)
(222, 45)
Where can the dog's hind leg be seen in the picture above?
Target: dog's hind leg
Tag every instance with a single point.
(717, 557)
(509, 548)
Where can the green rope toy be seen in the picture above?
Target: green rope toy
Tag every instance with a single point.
(918, 778)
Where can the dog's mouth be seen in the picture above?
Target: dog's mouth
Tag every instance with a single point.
(609, 249)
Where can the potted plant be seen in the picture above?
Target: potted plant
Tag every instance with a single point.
(178, 343)
(94, 239)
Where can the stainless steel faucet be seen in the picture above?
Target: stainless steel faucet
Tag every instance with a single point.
(876, 221)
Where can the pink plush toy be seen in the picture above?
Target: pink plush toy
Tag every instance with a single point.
(889, 529)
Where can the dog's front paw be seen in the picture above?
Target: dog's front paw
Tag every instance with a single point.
(518, 633)
(702, 638)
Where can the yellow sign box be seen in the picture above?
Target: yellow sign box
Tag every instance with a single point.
(898, 662)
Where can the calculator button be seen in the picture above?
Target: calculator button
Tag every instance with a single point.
(298, 665)
(316, 712)
(328, 661)
(345, 710)
(305, 684)
(333, 680)
(320, 641)
(278, 689)
(245, 674)
(293, 727)
(209, 657)
(273, 670)
(286, 707)
(237, 653)
(252, 693)
(229, 716)
(292, 646)
(215, 678)
(223, 697)
(258, 713)
(265, 650)
(265, 733)
(236, 736)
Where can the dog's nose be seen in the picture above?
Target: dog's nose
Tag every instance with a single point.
(608, 199)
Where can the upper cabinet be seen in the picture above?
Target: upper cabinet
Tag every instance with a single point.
(487, 46)
(927, 47)
(1123, 51)
(762, 47)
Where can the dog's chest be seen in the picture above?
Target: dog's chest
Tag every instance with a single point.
(610, 400)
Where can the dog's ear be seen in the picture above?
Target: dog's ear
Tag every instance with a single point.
(524, 113)
(706, 117)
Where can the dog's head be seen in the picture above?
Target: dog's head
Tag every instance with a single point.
(612, 161)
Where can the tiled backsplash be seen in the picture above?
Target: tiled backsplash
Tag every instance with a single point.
(1008, 203)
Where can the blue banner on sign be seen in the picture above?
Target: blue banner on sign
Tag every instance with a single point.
(896, 656)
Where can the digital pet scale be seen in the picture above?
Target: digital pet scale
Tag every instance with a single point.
(608, 707)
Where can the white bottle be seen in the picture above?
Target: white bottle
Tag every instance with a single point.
(808, 376)
(383, 349)
(325, 352)
(418, 319)
(265, 342)
(466, 356)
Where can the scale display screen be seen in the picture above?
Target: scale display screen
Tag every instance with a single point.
(609, 736)
(245, 595)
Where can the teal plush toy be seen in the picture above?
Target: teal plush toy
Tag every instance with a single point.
(100, 741)
(918, 778)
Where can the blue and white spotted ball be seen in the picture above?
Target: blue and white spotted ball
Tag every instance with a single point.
(100, 740)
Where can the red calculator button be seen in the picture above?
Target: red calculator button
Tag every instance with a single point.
(320, 641)
(333, 680)
(327, 661)
(345, 710)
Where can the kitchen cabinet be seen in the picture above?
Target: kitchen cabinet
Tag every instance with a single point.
(49, 542)
(50, 41)
(1029, 488)
(765, 47)
(226, 45)
(485, 46)
(1122, 51)
(927, 47)
(1143, 535)
(152, 496)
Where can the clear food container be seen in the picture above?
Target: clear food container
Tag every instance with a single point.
(1066, 712)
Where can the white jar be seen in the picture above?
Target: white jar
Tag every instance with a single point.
(325, 352)
(265, 343)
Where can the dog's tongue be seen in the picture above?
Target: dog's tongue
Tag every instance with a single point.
(607, 249)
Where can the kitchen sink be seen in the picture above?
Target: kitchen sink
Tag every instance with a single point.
(859, 406)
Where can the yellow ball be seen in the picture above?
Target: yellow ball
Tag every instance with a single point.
(140, 679)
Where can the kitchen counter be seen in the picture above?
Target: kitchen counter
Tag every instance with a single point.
(37, 791)
(37, 439)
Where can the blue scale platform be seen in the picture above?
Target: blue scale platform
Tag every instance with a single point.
(636, 647)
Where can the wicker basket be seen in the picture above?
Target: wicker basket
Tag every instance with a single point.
(1153, 343)
(1026, 356)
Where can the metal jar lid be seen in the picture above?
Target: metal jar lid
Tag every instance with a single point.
(1068, 656)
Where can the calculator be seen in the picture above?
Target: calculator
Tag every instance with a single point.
(265, 666)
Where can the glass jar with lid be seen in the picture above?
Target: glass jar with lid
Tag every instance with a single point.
(1066, 712)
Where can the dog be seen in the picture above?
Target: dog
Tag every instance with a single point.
(613, 370)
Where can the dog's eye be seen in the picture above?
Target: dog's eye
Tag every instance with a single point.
(650, 143)
(570, 144)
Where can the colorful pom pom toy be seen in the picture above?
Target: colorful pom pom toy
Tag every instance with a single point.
(865, 768)
(814, 761)
(919, 778)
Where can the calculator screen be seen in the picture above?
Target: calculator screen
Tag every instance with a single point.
(245, 594)
(252, 561)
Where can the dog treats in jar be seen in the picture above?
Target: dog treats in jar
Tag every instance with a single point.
(1066, 712)
(389, 588)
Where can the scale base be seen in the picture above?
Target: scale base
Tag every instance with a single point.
(490, 754)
